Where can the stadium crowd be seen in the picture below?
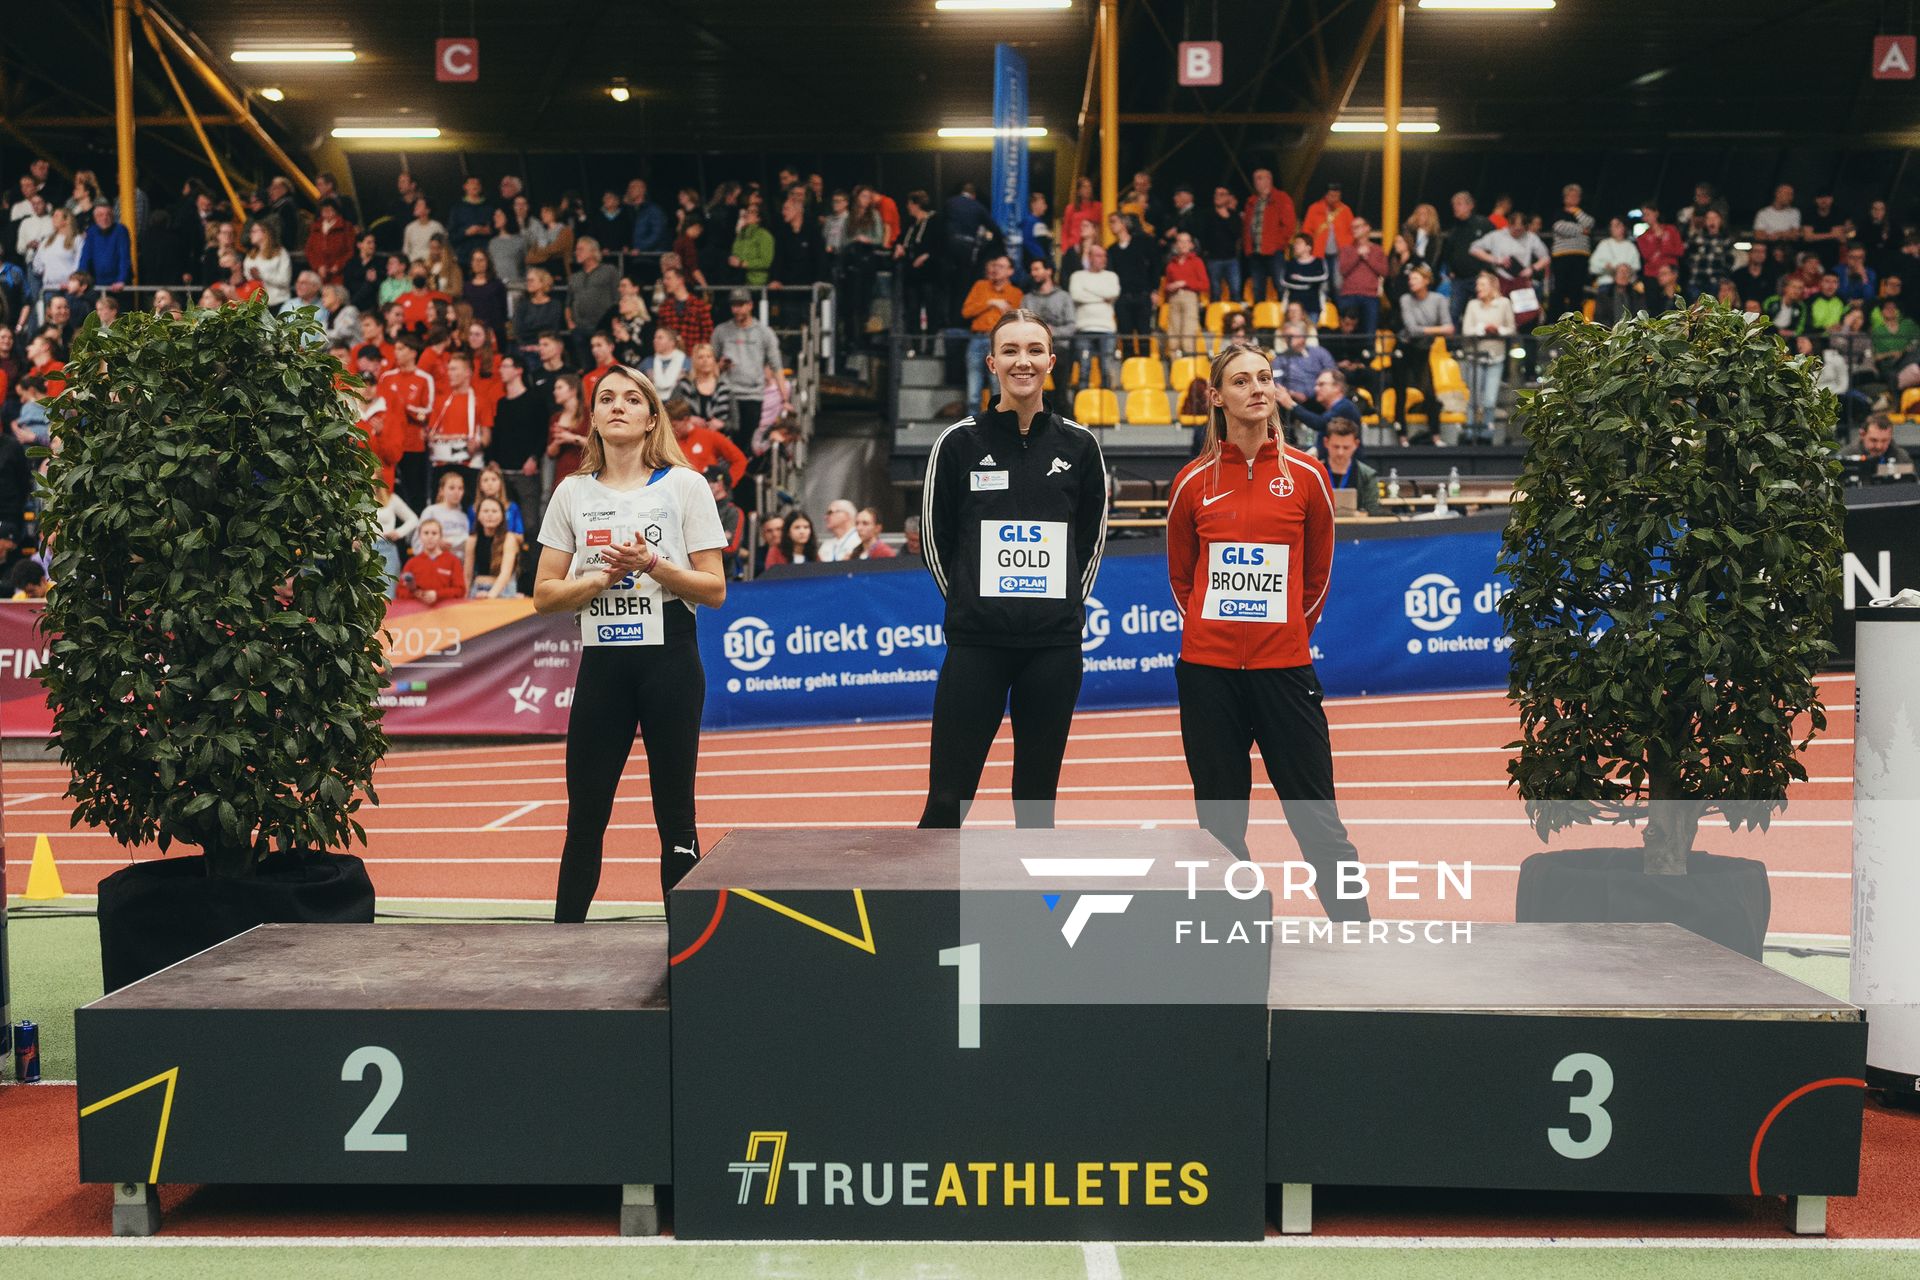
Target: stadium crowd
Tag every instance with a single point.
(480, 321)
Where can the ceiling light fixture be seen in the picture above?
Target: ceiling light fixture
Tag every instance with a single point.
(310, 53)
(990, 6)
(1486, 6)
(385, 131)
(1380, 126)
(968, 131)
(272, 95)
(619, 91)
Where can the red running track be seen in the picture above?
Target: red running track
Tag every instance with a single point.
(1420, 777)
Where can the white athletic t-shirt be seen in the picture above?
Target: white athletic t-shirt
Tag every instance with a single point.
(676, 514)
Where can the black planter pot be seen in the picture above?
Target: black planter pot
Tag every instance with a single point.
(1726, 900)
(157, 913)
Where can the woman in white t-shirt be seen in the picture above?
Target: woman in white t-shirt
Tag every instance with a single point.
(632, 543)
(268, 262)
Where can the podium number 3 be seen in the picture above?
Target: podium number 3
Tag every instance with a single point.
(1599, 1123)
(364, 1136)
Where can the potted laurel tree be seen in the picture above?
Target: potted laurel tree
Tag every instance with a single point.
(214, 620)
(1674, 551)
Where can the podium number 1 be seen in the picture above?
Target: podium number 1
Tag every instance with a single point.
(967, 960)
(1599, 1123)
(363, 1135)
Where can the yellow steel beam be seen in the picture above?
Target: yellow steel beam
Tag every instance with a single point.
(123, 126)
(193, 117)
(231, 101)
(1109, 110)
(1390, 154)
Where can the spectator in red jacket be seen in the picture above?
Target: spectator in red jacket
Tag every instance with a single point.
(1084, 209)
(1183, 284)
(1267, 223)
(1329, 223)
(330, 243)
(1362, 267)
(433, 573)
(1660, 244)
(705, 448)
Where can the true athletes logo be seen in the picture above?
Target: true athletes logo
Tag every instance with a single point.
(768, 1178)
(1087, 905)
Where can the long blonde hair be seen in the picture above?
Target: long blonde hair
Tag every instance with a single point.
(1217, 413)
(659, 447)
(72, 232)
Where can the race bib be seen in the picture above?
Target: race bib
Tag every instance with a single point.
(1246, 582)
(1023, 558)
(452, 450)
(630, 612)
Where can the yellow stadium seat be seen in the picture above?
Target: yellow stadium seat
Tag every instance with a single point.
(1414, 400)
(1447, 377)
(1096, 408)
(1185, 370)
(1437, 353)
(1910, 400)
(1163, 318)
(1217, 313)
(1330, 316)
(1268, 315)
(1140, 374)
(1364, 398)
(1149, 406)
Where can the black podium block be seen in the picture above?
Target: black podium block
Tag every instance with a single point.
(1586, 1057)
(392, 1053)
(950, 1035)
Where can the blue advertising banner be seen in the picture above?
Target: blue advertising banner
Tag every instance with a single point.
(1009, 203)
(1403, 615)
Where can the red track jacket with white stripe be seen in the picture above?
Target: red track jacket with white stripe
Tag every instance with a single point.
(1249, 555)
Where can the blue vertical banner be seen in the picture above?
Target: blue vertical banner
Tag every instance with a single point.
(1009, 145)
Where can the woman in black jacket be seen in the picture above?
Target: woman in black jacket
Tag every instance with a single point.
(1013, 519)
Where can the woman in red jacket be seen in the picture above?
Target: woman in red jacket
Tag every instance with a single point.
(1249, 556)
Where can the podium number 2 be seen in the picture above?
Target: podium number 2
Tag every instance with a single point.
(967, 960)
(1599, 1123)
(364, 1136)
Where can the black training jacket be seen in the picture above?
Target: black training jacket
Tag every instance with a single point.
(984, 475)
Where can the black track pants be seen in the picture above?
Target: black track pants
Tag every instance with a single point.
(1223, 712)
(977, 684)
(658, 690)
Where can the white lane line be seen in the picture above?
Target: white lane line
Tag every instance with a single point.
(498, 822)
(552, 757)
(1103, 1263)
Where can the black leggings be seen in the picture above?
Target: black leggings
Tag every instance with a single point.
(659, 690)
(1223, 712)
(976, 684)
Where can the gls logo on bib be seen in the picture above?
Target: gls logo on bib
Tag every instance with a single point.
(1023, 558)
(1246, 582)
